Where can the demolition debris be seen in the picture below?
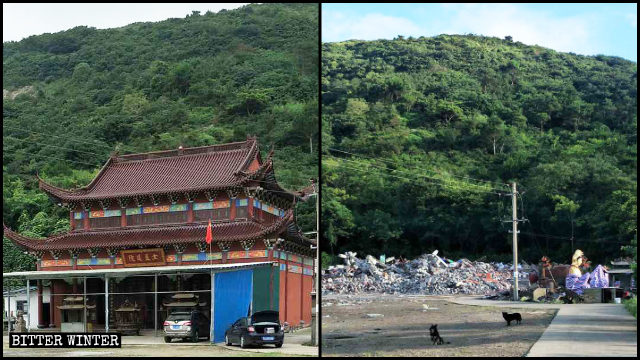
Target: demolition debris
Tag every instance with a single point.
(428, 274)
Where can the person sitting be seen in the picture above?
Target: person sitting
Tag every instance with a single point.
(577, 282)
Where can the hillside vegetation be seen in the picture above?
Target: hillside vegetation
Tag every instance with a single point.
(427, 118)
(74, 97)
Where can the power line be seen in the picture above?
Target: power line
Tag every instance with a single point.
(419, 175)
(433, 171)
(596, 240)
(427, 182)
(59, 137)
(55, 146)
(140, 172)
(97, 143)
(97, 154)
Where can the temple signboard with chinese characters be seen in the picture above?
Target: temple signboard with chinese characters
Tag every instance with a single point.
(143, 257)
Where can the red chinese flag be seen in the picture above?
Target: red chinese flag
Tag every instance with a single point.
(209, 236)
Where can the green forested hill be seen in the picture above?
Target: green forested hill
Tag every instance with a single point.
(73, 97)
(427, 117)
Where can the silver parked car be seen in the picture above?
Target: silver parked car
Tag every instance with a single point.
(186, 325)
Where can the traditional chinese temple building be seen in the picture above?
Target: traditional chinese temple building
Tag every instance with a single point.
(138, 236)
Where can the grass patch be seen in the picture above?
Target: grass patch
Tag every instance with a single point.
(632, 306)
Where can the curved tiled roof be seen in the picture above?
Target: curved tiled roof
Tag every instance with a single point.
(154, 235)
(208, 167)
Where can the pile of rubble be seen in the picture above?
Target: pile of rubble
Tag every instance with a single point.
(428, 274)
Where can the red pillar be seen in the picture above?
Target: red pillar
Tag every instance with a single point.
(123, 217)
(302, 289)
(286, 280)
(270, 250)
(41, 323)
(232, 212)
(72, 220)
(250, 208)
(85, 219)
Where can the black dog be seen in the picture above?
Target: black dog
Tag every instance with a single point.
(435, 336)
(511, 317)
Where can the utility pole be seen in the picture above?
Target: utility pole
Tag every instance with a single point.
(515, 240)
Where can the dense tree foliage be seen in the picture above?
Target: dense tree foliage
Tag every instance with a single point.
(74, 97)
(427, 117)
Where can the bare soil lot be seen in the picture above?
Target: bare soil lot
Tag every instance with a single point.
(404, 328)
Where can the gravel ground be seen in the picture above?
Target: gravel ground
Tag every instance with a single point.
(404, 328)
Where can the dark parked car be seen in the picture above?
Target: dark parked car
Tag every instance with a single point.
(186, 325)
(260, 328)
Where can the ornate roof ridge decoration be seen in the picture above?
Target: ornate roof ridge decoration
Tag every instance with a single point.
(52, 189)
(267, 173)
(20, 240)
(155, 155)
(156, 235)
(295, 232)
(304, 193)
(213, 167)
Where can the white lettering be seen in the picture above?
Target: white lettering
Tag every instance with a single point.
(15, 340)
(71, 340)
(41, 340)
(114, 340)
(105, 341)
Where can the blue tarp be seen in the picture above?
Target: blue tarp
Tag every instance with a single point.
(233, 292)
(596, 279)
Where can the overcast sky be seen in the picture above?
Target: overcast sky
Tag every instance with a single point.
(587, 29)
(23, 20)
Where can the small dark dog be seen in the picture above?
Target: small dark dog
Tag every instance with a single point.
(435, 336)
(511, 317)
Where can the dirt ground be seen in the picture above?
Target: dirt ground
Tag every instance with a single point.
(404, 328)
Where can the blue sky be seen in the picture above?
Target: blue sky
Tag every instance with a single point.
(22, 20)
(587, 29)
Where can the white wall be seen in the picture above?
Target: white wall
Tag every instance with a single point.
(33, 306)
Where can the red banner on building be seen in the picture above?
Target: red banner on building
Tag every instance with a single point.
(143, 257)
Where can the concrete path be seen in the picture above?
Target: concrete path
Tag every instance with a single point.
(578, 329)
